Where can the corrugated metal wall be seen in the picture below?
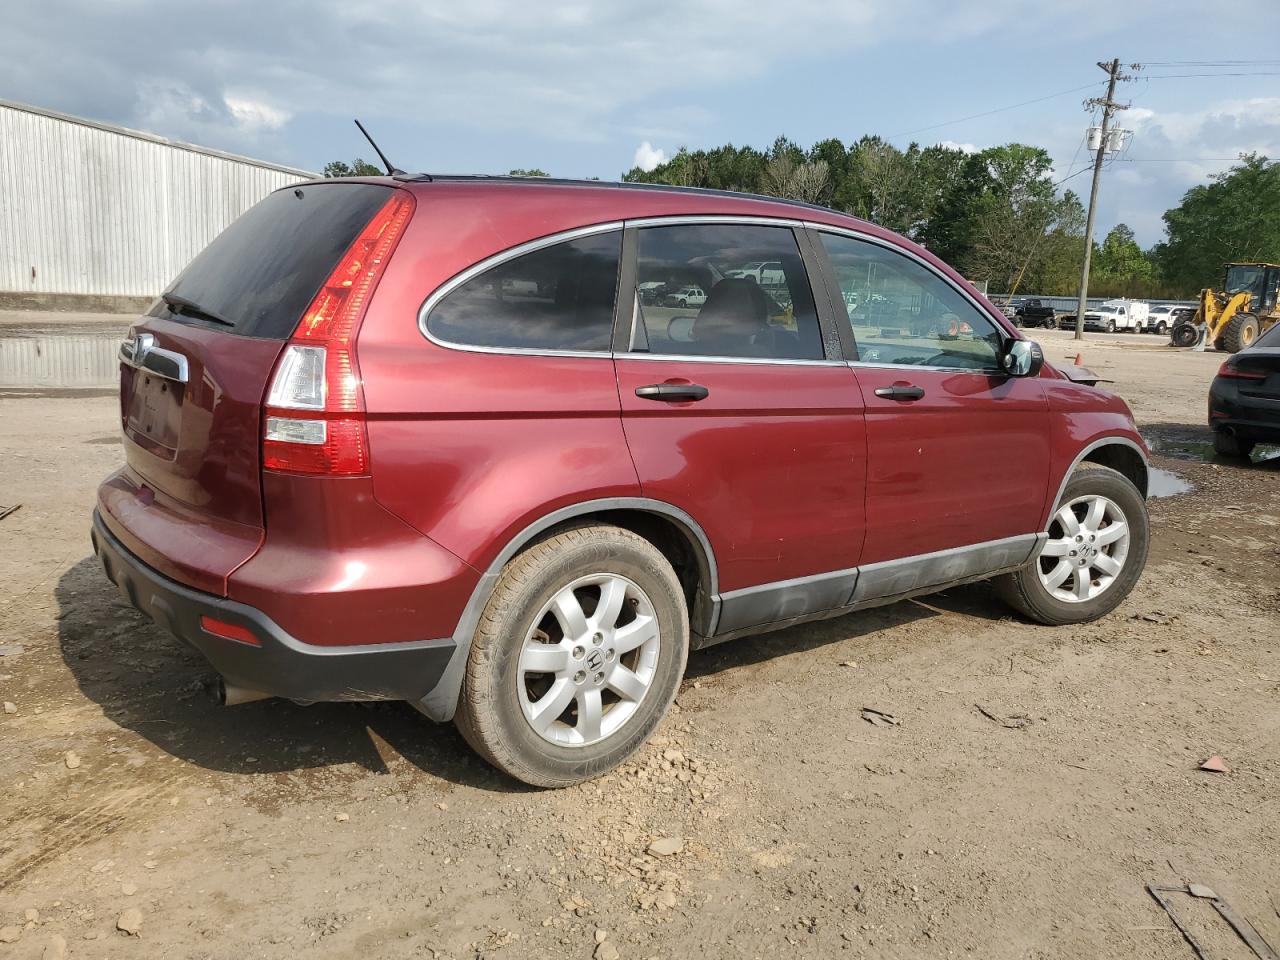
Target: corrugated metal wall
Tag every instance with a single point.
(90, 209)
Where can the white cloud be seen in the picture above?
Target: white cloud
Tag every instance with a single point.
(254, 115)
(963, 147)
(647, 157)
(175, 109)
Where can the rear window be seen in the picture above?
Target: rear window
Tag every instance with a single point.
(262, 272)
(560, 297)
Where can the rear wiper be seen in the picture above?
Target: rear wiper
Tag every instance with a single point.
(189, 308)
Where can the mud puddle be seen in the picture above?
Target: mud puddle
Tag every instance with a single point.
(58, 359)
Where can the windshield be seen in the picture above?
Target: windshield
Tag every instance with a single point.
(1241, 277)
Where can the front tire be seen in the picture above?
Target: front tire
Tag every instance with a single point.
(577, 656)
(1111, 326)
(1095, 552)
(1241, 331)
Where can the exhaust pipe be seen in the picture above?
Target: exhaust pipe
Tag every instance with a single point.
(229, 695)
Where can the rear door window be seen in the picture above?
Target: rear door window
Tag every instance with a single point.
(725, 290)
(263, 271)
(557, 298)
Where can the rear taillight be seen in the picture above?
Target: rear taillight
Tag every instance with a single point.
(1232, 372)
(315, 415)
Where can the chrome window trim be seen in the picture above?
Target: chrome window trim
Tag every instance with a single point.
(901, 251)
(501, 257)
(711, 219)
(981, 371)
(696, 358)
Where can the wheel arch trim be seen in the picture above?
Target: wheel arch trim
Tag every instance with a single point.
(1083, 455)
(441, 702)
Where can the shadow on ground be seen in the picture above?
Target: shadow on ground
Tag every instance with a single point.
(148, 682)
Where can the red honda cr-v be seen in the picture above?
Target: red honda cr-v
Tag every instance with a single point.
(474, 444)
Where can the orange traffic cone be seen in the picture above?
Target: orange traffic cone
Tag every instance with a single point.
(1078, 360)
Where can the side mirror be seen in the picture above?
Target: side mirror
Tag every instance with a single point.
(1022, 358)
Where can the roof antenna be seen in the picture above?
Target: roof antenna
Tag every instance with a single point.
(391, 170)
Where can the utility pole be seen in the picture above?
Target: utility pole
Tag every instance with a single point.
(1108, 106)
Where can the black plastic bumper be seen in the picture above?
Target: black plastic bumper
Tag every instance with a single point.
(280, 665)
(1252, 418)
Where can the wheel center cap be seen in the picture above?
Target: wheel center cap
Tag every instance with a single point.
(595, 659)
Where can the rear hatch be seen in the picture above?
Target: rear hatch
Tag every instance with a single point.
(195, 371)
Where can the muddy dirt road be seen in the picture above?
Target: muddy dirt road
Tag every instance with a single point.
(1037, 780)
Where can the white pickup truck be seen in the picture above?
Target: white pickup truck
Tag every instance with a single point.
(1116, 315)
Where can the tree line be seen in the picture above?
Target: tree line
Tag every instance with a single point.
(998, 214)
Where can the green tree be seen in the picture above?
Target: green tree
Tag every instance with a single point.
(361, 168)
(1120, 262)
(1236, 217)
(531, 172)
(1013, 217)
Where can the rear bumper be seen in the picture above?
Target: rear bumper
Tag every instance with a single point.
(1248, 417)
(280, 665)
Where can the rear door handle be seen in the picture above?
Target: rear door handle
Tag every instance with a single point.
(900, 391)
(672, 392)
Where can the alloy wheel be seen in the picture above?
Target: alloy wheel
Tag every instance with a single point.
(589, 660)
(1086, 550)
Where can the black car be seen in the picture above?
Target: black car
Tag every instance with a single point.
(1244, 399)
(1033, 313)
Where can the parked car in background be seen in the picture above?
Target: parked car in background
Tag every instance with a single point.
(1244, 398)
(1009, 307)
(1113, 315)
(1159, 319)
(651, 292)
(356, 470)
(687, 296)
(1033, 313)
(766, 274)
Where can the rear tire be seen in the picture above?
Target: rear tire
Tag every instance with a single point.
(1229, 445)
(1241, 331)
(553, 693)
(1113, 556)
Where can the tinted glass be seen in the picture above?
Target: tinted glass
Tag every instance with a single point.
(262, 272)
(558, 298)
(726, 290)
(904, 313)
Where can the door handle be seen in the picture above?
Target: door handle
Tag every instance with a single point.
(900, 391)
(672, 392)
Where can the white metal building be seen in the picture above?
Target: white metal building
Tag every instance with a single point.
(91, 212)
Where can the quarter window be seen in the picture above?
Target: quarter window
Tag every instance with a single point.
(558, 298)
(901, 312)
(725, 290)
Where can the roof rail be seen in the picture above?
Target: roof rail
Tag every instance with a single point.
(618, 184)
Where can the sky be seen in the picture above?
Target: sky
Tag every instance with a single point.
(581, 88)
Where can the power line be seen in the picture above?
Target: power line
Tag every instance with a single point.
(1175, 76)
(987, 113)
(1211, 63)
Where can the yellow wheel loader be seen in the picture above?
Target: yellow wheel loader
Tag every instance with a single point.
(1234, 317)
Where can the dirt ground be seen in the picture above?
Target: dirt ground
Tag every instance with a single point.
(1038, 779)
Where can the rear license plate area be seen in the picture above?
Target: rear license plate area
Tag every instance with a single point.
(153, 419)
